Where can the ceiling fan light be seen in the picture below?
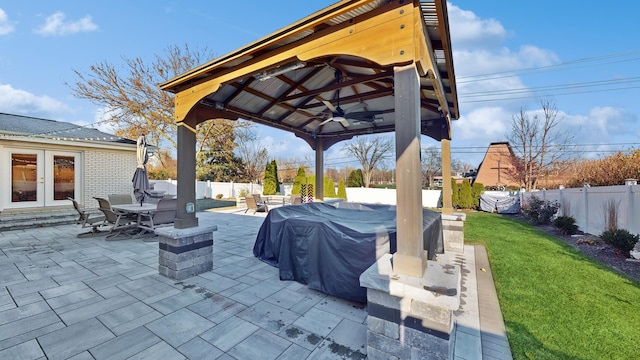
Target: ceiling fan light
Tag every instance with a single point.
(339, 118)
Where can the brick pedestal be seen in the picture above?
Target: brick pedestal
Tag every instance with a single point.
(184, 253)
(410, 317)
(453, 232)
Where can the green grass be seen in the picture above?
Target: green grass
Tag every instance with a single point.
(204, 204)
(556, 303)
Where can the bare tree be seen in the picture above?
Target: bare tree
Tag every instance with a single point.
(134, 105)
(460, 167)
(253, 153)
(288, 168)
(431, 163)
(370, 152)
(537, 142)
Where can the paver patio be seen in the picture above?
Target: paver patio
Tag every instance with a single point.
(64, 297)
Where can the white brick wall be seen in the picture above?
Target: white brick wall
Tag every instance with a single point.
(107, 172)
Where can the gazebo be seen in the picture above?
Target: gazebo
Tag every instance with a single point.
(355, 68)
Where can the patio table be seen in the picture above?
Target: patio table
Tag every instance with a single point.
(137, 209)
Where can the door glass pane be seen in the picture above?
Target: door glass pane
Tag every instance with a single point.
(63, 177)
(23, 177)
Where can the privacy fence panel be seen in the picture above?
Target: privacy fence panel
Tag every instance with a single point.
(595, 208)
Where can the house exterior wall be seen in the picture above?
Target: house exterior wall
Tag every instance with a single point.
(107, 172)
(103, 170)
(494, 170)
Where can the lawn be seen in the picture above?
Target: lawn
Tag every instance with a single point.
(556, 303)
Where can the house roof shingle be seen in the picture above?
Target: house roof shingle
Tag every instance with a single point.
(11, 124)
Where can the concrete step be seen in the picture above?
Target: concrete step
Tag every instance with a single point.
(28, 220)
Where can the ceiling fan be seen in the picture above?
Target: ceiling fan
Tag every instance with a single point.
(342, 116)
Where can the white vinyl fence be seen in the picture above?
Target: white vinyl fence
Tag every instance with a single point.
(588, 205)
(210, 189)
(430, 198)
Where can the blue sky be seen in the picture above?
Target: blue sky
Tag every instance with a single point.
(508, 55)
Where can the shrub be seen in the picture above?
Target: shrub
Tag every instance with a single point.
(342, 191)
(355, 179)
(476, 190)
(539, 212)
(566, 224)
(271, 184)
(219, 196)
(455, 194)
(466, 201)
(301, 178)
(620, 239)
(329, 189)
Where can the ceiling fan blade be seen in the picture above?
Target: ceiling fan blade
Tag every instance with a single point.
(326, 121)
(344, 122)
(329, 106)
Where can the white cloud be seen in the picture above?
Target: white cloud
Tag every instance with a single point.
(600, 124)
(487, 72)
(468, 30)
(18, 101)
(5, 25)
(490, 124)
(55, 25)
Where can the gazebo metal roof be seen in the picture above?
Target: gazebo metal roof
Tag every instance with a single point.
(344, 53)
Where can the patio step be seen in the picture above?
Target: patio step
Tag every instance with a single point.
(35, 219)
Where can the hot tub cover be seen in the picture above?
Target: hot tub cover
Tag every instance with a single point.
(327, 246)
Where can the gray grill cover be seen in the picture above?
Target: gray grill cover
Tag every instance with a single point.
(328, 246)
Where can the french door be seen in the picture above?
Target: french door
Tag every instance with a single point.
(41, 178)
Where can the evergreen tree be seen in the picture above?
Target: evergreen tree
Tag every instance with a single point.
(275, 175)
(476, 190)
(300, 179)
(455, 195)
(355, 179)
(270, 179)
(466, 201)
(342, 190)
(329, 188)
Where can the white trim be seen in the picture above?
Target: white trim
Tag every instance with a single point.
(66, 142)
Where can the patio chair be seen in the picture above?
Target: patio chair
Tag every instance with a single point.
(117, 199)
(166, 214)
(254, 205)
(118, 220)
(86, 220)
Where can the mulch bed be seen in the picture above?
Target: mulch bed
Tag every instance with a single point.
(593, 247)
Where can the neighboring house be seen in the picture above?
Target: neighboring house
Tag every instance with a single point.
(42, 162)
(496, 167)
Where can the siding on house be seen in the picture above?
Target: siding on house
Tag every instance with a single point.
(107, 172)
